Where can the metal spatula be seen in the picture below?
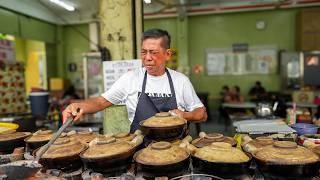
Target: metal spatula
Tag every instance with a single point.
(53, 139)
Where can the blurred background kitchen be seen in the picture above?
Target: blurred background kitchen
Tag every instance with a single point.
(247, 59)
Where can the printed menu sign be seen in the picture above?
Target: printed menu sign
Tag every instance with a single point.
(113, 70)
(7, 51)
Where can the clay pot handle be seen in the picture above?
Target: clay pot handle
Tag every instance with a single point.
(191, 148)
(70, 133)
(163, 114)
(37, 132)
(138, 132)
(202, 134)
(109, 135)
(9, 131)
(187, 139)
(245, 139)
(309, 144)
(249, 148)
(136, 141)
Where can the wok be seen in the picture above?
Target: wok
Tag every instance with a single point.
(20, 169)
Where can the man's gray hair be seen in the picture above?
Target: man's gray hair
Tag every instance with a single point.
(158, 33)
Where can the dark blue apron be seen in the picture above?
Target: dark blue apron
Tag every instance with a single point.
(149, 106)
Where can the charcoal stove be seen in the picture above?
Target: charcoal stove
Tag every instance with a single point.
(267, 176)
(57, 174)
(89, 174)
(7, 157)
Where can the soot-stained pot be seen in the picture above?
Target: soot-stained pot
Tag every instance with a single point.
(10, 141)
(38, 139)
(164, 127)
(207, 139)
(106, 154)
(63, 154)
(220, 159)
(285, 159)
(163, 159)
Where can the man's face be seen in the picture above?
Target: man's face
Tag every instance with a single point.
(154, 56)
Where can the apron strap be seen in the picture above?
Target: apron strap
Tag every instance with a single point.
(170, 83)
(144, 82)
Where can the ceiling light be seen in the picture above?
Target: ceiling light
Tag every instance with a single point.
(147, 1)
(63, 4)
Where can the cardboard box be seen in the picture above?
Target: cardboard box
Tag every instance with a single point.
(57, 84)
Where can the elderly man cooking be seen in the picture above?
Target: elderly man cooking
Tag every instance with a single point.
(151, 89)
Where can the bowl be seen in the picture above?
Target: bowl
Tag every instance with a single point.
(304, 128)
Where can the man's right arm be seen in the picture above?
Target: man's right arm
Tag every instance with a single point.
(92, 105)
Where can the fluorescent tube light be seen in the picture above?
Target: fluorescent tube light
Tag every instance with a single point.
(63, 4)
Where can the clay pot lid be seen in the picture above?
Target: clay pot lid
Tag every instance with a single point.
(163, 119)
(207, 139)
(124, 136)
(13, 136)
(316, 150)
(63, 147)
(262, 141)
(286, 152)
(161, 153)
(40, 136)
(83, 136)
(108, 147)
(221, 152)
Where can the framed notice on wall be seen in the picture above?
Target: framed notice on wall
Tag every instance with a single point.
(257, 60)
(113, 70)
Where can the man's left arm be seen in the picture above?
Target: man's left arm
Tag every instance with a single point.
(197, 115)
(194, 110)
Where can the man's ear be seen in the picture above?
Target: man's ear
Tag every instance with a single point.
(169, 52)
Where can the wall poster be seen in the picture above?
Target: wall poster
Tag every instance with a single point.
(258, 60)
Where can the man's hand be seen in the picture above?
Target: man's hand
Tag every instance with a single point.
(74, 111)
(92, 105)
(197, 115)
(177, 112)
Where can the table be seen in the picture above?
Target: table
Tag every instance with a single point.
(302, 105)
(244, 105)
(312, 107)
(234, 111)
